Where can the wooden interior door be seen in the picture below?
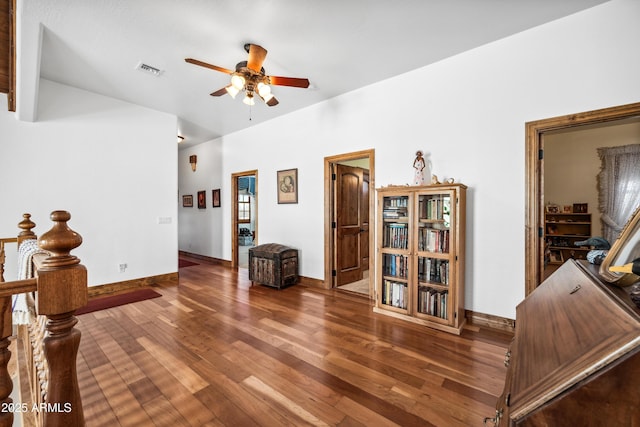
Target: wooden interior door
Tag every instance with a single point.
(349, 227)
(364, 221)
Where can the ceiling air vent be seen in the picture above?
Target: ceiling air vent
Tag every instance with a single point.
(148, 69)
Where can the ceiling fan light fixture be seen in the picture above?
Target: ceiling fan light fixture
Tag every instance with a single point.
(237, 82)
(249, 99)
(264, 90)
(232, 90)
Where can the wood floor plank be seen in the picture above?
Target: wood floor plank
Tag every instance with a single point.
(181, 372)
(298, 390)
(364, 415)
(126, 408)
(216, 350)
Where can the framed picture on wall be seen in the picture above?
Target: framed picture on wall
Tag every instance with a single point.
(202, 200)
(215, 196)
(288, 186)
(187, 201)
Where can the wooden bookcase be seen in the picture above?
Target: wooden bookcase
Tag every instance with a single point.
(420, 254)
(562, 230)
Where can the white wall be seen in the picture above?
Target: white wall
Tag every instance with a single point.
(111, 164)
(468, 115)
(201, 229)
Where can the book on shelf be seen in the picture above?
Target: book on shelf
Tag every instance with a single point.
(433, 240)
(395, 208)
(433, 270)
(395, 265)
(434, 207)
(432, 302)
(395, 294)
(396, 235)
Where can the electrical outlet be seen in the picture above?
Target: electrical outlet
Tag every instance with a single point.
(122, 267)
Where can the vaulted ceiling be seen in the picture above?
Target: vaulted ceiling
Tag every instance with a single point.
(339, 45)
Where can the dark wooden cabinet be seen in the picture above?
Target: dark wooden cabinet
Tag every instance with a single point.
(575, 357)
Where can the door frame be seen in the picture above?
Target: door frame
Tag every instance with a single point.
(534, 181)
(234, 213)
(329, 235)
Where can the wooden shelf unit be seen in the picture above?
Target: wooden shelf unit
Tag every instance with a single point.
(562, 230)
(420, 255)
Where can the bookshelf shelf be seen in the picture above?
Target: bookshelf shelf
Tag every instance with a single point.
(420, 255)
(562, 230)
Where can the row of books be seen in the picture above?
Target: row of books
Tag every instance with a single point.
(433, 270)
(395, 265)
(434, 207)
(396, 202)
(432, 302)
(396, 235)
(395, 294)
(395, 207)
(394, 214)
(433, 240)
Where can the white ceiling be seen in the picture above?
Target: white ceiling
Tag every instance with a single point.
(339, 45)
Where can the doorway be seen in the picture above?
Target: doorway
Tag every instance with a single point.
(244, 227)
(534, 204)
(349, 212)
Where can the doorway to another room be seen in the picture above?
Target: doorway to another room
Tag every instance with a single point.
(245, 216)
(349, 198)
(535, 242)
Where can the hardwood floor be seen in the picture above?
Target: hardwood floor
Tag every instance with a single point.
(216, 351)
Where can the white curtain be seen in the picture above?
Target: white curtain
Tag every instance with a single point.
(618, 187)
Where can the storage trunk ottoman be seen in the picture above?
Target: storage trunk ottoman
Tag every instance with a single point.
(273, 264)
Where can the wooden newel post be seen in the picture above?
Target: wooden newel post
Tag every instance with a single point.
(62, 289)
(26, 225)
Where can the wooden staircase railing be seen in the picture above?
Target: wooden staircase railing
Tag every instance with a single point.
(60, 284)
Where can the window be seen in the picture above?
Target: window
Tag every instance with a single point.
(619, 187)
(244, 208)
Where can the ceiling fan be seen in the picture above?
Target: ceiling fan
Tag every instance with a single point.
(250, 77)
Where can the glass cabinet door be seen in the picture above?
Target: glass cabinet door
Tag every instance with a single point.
(434, 241)
(396, 238)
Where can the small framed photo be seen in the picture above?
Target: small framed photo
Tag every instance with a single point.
(567, 209)
(553, 208)
(215, 196)
(288, 186)
(555, 256)
(202, 200)
(580, 207)
(187, 201)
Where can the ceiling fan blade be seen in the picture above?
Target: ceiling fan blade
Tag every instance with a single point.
(289, 81)
(205, 65)
(272, 102)
(256, 57)
(219, 92)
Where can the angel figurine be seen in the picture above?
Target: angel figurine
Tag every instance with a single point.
(418, 165)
